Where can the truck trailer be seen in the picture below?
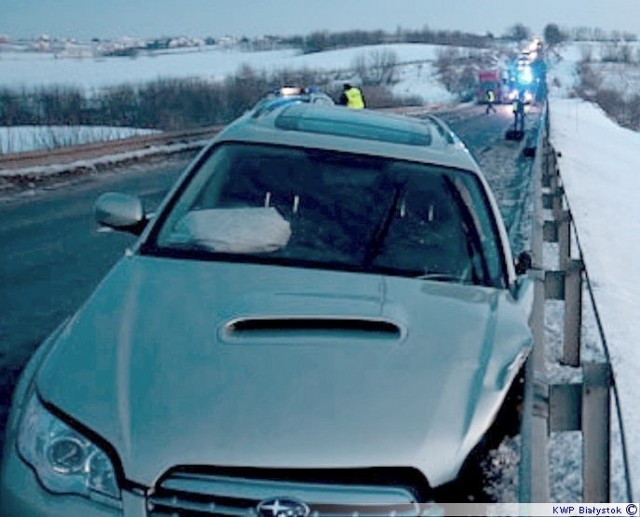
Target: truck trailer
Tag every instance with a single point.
(492, 80)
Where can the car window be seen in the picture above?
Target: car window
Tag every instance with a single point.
(337, 211)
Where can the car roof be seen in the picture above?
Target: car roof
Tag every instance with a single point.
(315, 125)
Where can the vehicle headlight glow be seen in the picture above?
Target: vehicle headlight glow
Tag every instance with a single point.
(65, 461)
(287, 91)
(526, 75)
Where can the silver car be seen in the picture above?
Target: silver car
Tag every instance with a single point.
(323, 317)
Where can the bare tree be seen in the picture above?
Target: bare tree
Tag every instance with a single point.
(378, 67)
(553, 35)
(519, 33)
(586, 54)
(616, 53)
(582, 34)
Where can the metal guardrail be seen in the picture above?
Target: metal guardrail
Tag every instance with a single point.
(583, 406)
(534, 461)
(63, 155)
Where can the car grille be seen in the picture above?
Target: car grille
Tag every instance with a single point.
(187, 494)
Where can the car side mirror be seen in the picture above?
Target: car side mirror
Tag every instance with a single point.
(522, 289)
(120, 212)
(523, 263)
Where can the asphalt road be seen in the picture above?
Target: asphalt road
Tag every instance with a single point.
(502, 161)
(52, 257)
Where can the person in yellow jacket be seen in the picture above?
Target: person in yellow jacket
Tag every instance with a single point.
(490, 98)
(352, 97)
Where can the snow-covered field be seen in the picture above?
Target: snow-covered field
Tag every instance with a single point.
(415, 72)
(35, 69)
(32, 70)
(606, 59)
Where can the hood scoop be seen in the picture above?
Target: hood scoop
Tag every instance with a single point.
(247, 329)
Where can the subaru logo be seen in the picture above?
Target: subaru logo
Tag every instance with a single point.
(282, 507)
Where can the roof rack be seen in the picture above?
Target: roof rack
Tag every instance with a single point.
(362, 124)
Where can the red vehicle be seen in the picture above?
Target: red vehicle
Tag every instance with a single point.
(491, 80)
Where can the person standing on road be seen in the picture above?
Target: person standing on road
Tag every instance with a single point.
(490, 97)
(518, 114)
(352, 97)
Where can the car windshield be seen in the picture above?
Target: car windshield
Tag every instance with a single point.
(318, 208)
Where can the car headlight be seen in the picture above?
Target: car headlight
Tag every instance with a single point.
(65, 461)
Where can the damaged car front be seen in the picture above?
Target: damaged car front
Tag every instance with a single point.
(311, 322)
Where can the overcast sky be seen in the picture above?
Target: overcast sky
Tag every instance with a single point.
(84, 19)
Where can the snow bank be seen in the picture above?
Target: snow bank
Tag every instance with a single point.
(600, 168)
(17, 139)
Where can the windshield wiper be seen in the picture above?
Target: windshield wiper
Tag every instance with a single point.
(383, 228)
(441, 276)
(471, 231)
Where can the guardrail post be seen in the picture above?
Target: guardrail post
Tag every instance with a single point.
(554, 285)
(564, 239)
(550, 158)
(550, 178)
(560, 232)
(595, 432)
(585, 407)
(572, 313)
(553, 200)
(557, 203)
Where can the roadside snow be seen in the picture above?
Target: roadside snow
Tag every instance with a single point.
(599, 167)
(16, 139)
(96, 164)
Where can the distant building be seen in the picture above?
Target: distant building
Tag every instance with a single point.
(42, 44)
(129, 47)
(158, 44)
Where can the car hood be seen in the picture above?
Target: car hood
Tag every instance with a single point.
(177, 362)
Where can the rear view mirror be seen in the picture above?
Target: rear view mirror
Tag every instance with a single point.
(121, 212)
